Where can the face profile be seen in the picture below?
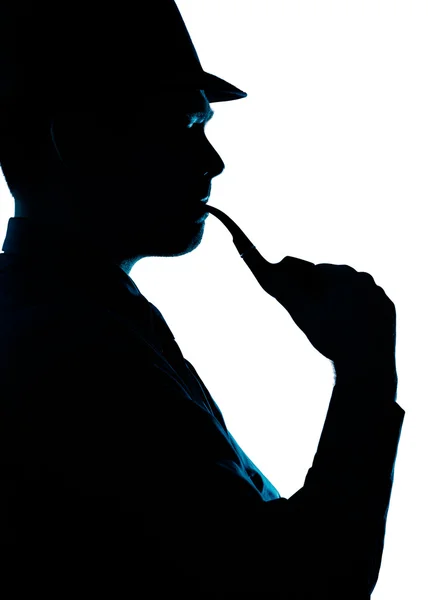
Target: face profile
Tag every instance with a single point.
(124, 162)
(132, 182)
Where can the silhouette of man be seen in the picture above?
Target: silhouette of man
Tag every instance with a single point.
(118, 472)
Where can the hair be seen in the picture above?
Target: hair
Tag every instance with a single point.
(22, 149)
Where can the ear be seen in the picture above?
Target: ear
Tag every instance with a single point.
(54, 138)
(75, 140)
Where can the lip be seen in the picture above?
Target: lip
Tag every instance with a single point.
(199, 211)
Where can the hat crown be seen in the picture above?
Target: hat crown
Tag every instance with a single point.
(72, 49)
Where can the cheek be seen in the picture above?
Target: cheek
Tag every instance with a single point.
(163, 170)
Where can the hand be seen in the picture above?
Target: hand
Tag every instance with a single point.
(343, 313)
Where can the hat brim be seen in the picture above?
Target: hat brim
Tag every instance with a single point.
(219, 90)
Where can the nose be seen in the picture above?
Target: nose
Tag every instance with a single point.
(213, 163)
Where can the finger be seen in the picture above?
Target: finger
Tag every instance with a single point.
(297, 266)
(299, 279)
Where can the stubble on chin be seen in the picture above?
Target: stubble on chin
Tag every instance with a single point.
(169, 240)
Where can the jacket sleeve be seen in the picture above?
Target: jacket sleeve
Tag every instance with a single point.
(351, 478)
(324, 541)
(124, 479)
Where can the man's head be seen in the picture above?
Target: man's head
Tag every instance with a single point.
(106, 132)
(130, 181)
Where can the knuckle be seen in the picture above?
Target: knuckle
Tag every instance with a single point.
(329, 274)
(366, 277)
(331, 268)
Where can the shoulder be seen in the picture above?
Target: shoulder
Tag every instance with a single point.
(53, 338)
(82, 368)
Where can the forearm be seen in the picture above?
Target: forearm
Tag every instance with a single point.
(352, 472)
(368, 379)
(361, 406)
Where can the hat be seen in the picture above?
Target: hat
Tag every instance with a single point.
(79, 53)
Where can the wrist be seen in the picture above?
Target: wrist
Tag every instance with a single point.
(367, 371)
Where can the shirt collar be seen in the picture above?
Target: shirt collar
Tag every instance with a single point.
(44, 244)
(53, 254)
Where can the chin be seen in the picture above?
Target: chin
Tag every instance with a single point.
(181, 242)
(174, 241)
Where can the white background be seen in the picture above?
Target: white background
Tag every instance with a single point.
(326, 160)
